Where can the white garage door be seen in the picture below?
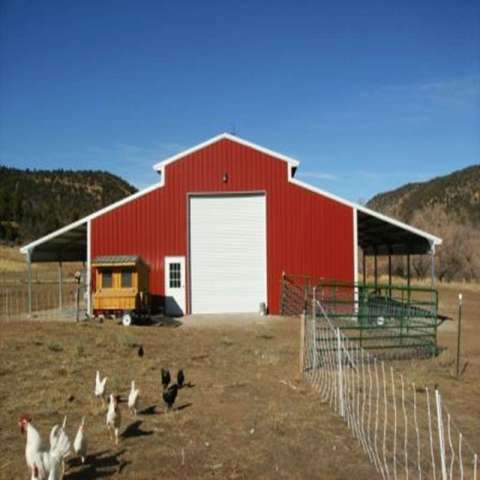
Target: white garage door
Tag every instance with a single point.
(228, 263)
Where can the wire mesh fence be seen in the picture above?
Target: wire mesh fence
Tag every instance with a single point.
(48, 300)
(407, 432)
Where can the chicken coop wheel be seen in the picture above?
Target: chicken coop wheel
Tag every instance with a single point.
(127, 319)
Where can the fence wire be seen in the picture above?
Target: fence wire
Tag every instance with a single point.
(406, 431)
(48, 301)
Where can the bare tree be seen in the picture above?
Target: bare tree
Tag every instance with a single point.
(457, 257)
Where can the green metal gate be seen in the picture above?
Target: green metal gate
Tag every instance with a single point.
(390, 320)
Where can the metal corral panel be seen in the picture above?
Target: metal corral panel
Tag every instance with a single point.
(307, 233)
(228, 259)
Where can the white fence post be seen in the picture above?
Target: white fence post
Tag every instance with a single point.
(441, 437)
(302, 344)
(314, 346)
(314, 329)
(340, 374)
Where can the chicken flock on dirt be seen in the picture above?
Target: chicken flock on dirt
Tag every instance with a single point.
(48, 463)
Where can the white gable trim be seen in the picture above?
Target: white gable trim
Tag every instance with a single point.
(160, 167)
(225, 136)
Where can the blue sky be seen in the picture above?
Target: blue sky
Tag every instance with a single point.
(367, 95)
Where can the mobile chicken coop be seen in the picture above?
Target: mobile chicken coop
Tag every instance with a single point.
(121, 288)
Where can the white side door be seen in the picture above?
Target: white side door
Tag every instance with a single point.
(175, 286)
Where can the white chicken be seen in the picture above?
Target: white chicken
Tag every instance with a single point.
(133, 399)
(114, 417)
(54, 437)
(80, 441)
(55, 432)
(34, 442)
(100, 387)
(45, 464)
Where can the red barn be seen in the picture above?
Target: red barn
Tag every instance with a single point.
(227, 218)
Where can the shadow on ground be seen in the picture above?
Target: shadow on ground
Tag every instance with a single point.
(134, 430)
(98, 465)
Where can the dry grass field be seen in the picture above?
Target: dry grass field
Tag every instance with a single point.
(462, 394)
(11, 260)
(247, 415)
(13, 267)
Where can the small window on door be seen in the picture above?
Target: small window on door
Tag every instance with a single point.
(107, 279)
(174, 275)
(126, 279)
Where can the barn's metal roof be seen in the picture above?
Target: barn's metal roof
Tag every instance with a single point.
(69, 245)
(376, 233)
(377, 237)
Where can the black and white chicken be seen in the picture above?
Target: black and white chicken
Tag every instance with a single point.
(180, 378)
(169, 395)
(165, 378)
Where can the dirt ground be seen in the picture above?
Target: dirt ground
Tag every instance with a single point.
(245, 416)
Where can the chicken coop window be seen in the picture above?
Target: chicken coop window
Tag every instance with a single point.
(107, 279)
(175, 275)
(126, 279)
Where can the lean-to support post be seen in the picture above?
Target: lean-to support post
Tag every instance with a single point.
(355, 259)
(29, 266)
(408, 270)
(408, 278)
(60, 286)
(364, 266)
(390, 274)
(376, 270)
(432, 254)
(78, 278)
(88, 279)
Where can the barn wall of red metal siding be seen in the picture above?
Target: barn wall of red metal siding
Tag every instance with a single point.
(306, 233)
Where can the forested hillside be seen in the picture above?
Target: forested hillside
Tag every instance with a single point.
(449, 207)
(457, 193)
(36, 202)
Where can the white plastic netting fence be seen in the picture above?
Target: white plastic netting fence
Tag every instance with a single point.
(406, 432)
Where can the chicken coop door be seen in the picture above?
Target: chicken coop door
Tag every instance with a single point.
(228, 260)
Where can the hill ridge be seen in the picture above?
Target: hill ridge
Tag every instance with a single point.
(447, 206)
(35, 202)
(457, 192)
